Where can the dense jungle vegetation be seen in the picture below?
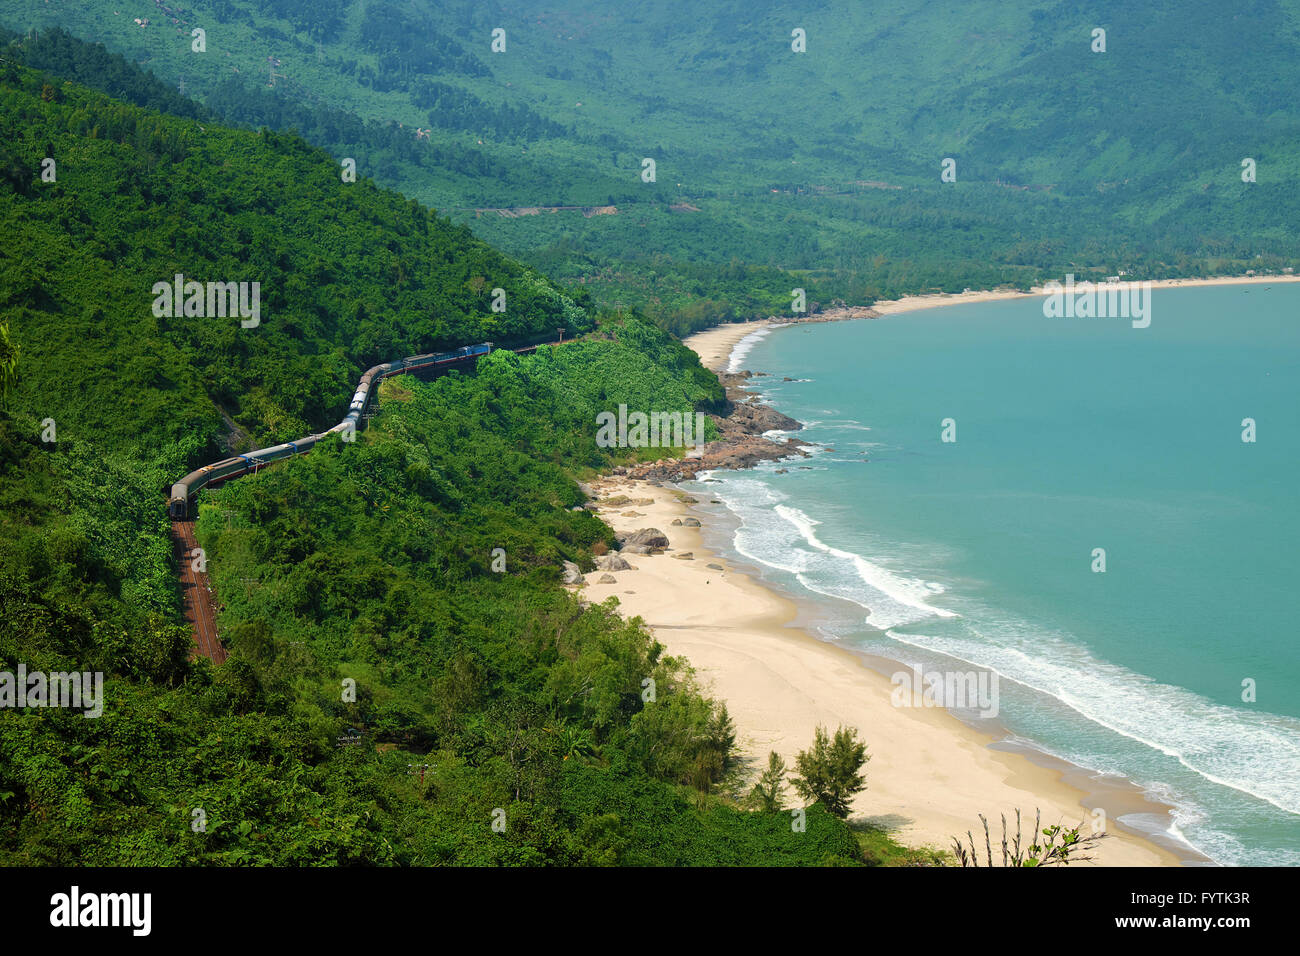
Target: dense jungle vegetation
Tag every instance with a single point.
(483, 694)
(775, 169)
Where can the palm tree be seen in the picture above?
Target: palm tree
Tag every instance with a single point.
(8, 363)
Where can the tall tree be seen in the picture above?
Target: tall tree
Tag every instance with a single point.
(829, 771)
(767, 792)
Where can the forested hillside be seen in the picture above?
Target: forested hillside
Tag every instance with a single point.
(774, 168)
(349, 275)
(370, 562)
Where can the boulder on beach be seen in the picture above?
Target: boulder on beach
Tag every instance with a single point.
(572, 573)
(607, 579)
(612, 562)
(643, 541)
(691, 522)
(685, 556)
(677, 521)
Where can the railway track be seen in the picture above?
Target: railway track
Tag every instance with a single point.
(200, 602)
(196, 590)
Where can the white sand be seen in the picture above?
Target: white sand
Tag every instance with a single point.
(930, 775)
(714, 345)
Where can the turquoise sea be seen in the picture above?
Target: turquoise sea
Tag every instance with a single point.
(1071, 435)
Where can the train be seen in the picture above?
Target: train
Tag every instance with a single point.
(178, 503)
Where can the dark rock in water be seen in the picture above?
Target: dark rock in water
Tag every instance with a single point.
(787, 378)
(783, 471)
(756, 419)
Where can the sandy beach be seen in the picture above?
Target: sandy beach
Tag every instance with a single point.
(714, 345)
(930, 775)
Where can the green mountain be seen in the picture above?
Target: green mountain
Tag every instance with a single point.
(349, 275)
(368, 565)
(776, 168)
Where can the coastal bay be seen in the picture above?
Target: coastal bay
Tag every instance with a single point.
(931, 775)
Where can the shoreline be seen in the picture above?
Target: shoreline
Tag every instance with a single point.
(715, 345)
(931, 773)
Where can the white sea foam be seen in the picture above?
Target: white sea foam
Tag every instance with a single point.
(1254, 753)
(736, 362)
(782, 537)
(847, 425)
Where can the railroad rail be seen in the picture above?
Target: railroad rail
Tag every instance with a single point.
(200, 604)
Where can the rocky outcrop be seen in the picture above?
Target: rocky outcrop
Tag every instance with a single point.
(613, 562)
(573, 574)
(643, 541)
(740, 445)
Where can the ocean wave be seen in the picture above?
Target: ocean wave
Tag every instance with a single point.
(736, 362)
(1257, 754)
(784, 538)
(849, 425)
(1253, 756)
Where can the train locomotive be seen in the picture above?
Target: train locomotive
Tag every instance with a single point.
(178, 504)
